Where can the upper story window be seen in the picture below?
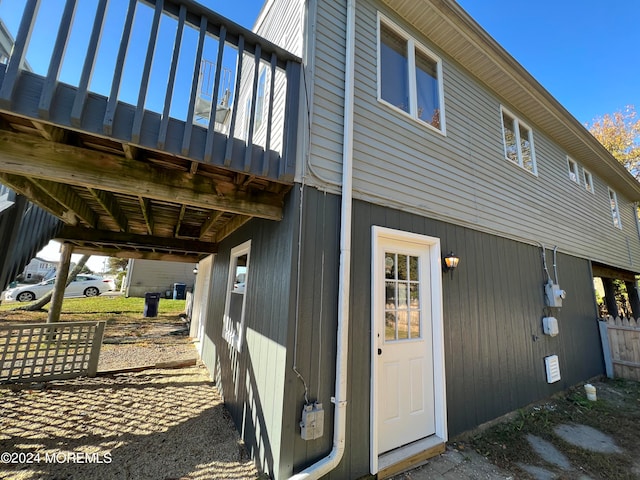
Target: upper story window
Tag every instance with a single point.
(518, 142)
(573, 170)
(409, 76)
(588, 180)
(615, 211)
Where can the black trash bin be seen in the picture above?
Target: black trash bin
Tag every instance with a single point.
(179, 291)
(151, 301)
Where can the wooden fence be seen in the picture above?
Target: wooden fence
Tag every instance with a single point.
(621, 347)
(48, 351)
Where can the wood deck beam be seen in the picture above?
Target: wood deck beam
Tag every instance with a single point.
(130, 240)
(32, 157)
(30, 190)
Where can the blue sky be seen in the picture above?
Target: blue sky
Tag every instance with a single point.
(585, 53)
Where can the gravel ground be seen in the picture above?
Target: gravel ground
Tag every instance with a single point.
(155, 424)
(119, 356)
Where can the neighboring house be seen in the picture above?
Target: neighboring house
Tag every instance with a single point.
(39, 269)
(420, 136)
(146, 276)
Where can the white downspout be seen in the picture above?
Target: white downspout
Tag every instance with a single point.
(331, 461)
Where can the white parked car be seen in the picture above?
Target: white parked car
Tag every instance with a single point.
(87, 285)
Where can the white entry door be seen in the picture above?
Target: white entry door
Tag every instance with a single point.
(402, 313)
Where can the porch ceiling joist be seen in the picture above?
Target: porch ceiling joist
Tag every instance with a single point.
(108, 239)
(138, 254)
(110, 205)
(69, 199)
(33, 157)
(33, 192)
(145, 207)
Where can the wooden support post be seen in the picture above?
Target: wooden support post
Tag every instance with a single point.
(634, 299)
(610, 297)
(60, 284)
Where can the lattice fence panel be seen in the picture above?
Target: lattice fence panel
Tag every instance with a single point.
(48, 351)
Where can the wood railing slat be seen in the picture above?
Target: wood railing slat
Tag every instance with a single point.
(208, 146)
(89, 63)
(19, 52)
(188, 127)
(177, 45)
(146, 72)
(107, 124)
(60, 46)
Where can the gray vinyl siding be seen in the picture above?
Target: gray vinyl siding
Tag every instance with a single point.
(252, 382)
(283, 25)
(493, 306)
(462, 177)
(325, 144)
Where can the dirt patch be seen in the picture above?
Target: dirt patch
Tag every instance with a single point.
(616, 414)
(157, 424)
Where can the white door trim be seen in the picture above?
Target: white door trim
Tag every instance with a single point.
(439, 380)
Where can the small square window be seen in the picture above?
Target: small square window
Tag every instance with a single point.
(234, 310)
(588, 181)
(573, 170)
(518, 142)
(615, 211)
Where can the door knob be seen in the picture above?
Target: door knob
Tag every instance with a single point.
(379, 351)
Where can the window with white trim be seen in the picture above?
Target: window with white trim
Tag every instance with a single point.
(573, 170)
(518, 141)
(615, 211)
(409, 76)
(588, 181)
(234, 309)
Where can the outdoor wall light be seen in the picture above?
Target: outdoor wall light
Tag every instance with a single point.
(195, 270)
(450, 262)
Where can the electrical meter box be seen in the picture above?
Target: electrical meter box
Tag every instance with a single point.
(312, 424)
(554, 295)
(550, 326)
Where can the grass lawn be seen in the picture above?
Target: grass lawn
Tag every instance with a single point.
(123, 315)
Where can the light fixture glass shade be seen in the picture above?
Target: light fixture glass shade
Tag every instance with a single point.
(451, 261)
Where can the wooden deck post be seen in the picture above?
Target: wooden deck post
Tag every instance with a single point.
(610, 297)
(60, 284)
(634, 300)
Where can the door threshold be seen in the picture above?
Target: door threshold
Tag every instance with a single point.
(409, 456)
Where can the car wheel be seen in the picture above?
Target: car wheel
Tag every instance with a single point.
(25, 297)
(91, 292)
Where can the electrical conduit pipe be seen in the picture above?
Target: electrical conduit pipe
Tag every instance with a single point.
(331, 461)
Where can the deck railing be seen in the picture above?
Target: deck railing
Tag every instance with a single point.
(132, 70)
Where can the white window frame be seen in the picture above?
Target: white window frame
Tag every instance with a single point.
(588, 181)
(234, 334)
(517, 124)
(412, 46)
(573, 170)
(615, 209)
